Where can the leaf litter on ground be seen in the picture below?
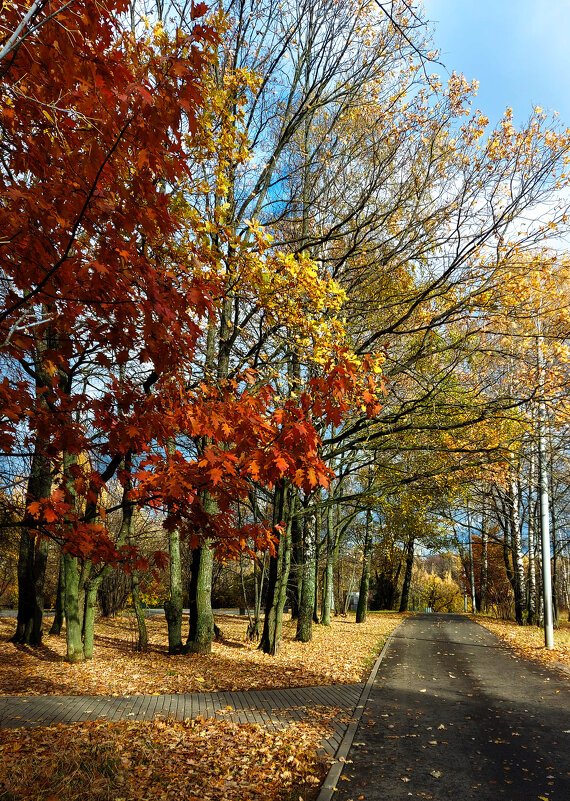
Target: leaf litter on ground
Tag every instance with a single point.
(195, 760)
(213, 760)
(340, 654)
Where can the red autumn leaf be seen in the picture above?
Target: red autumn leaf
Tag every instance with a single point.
(34, 509)
(281, 464)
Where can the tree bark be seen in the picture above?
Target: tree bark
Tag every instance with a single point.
(173, 605)
(554, 536)
(73, 613)
(318, 545)
(307, 605)
(142, 644)
(59, 616)
(90, 580)
(32, 558)
(329, 570)
(89, 617)
(362, 607)
(484, 560)
(297, 571)
(516, 548)
(532, 616)
(74, 598)
(254, 627)
(277, 580)
(201, 629)
(407, 575)
(33, 552)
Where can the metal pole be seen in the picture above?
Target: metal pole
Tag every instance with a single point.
(471, 567)
(544, 511)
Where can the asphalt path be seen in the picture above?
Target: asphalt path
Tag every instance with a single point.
(456, 714)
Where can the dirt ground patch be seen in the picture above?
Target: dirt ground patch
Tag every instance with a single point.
(339, 654)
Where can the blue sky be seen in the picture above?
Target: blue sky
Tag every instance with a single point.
(518, 50)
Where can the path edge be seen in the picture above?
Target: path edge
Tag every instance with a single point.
(529, 657)
(329, 785)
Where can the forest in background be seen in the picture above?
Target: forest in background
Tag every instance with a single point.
(277, 307)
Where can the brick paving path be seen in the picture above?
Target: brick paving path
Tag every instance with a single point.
(273, 709)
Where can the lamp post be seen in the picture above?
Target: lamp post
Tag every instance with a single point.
(544, 511)
(471, 567)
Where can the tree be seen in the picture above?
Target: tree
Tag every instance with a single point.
(120, 372)
(89, 247)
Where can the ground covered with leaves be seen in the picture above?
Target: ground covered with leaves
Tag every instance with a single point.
(198, 760)
(529, 640)
(339, 654)
(214, 760)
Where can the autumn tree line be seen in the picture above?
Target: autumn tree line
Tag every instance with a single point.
(269, 289)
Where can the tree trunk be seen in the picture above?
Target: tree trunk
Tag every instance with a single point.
(277, 580)
(89, 618)
(362, 607)
(555, 603)
(407, 575)
(73, 613)
(554, 534)
(508, 555)
(531, 597)
(329, 571)
(58, 617)
(201, 630)
(318, 545)
(254, 627)
(74, 598)
(297, 571)
(516, 547)
(128, 527)
(201, 624)
(33, 553)
(142, 644)
(32, 558)
(307, 605)
(192, 592)
(517, 576)
(484, 559)
(173, 606)
(472, 575)
(91, 581)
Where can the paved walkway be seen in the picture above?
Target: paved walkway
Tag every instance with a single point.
(454, 713)
(273, 709)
